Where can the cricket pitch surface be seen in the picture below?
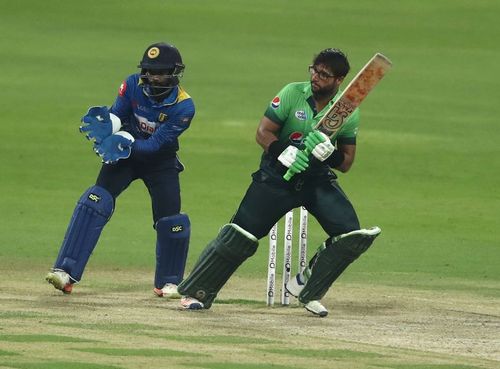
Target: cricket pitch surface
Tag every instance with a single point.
(113, 320)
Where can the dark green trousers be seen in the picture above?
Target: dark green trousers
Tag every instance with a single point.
(269, 197)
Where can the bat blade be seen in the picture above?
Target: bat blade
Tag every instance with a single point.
(355, 92)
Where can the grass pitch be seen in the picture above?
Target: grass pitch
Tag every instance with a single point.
(424, 296)
(114, 321)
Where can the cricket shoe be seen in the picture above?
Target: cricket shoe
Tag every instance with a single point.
(190, 303)
(295, 285)
(60, 280)
(316, 308)
(168, 291)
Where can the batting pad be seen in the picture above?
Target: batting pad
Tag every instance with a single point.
(218, 262)
(172, 245)
(91, 214)
(333, 257)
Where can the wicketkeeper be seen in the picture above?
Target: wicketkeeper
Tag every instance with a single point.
(137, 138)
(286, 129)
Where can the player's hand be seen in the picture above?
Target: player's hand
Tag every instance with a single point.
(294, 159)
(115, 147)
(319, 144)
(99, 123)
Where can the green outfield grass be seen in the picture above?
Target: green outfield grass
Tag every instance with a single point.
(427, 167)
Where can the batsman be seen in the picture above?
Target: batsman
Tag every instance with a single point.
(284, 132)
(137, 138)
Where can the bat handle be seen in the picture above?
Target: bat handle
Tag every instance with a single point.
(290, 173)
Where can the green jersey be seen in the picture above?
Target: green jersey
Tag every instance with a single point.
(294, 109)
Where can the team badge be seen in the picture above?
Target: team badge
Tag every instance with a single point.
(153, 52)
(300, 115)
(296, 137)
(123, 88)
(162, 117)
(275, 103)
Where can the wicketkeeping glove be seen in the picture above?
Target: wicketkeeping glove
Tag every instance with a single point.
(99, 123)
(115, 147)
(319, 144)
(294, 159)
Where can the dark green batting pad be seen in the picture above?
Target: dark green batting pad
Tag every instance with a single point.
(217, 263)
(332, 259)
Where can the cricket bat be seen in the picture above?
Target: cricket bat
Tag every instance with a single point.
(353, 95)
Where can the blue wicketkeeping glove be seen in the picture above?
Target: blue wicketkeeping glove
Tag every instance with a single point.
(99, 123)
(115, 147)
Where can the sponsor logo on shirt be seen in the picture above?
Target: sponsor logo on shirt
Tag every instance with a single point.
(300, 115)
(123, 88)
(296, 137)
(145, 125)
(275, 104)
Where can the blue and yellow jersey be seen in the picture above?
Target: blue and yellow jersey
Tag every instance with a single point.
(155, 125)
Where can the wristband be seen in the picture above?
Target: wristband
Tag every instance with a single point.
(276, 148)
(336, 159)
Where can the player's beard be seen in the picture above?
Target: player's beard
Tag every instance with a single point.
(321, 93)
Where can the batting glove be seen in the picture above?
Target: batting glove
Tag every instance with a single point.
(294, 159)
(115, 147)
(319, 145)
(99, 123)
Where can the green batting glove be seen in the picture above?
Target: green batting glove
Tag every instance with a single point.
(301, 162)
(319, 144)
(312, 139)
(294, 159)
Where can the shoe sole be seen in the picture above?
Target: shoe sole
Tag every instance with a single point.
(198, 305)
(56, 282)
(193, 307)
(321, 314)
(158, 292)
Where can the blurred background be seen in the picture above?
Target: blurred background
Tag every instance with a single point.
(427, 167)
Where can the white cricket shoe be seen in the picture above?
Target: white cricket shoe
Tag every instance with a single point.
(190, 303)
(316, 308)
(295, 285)
(60, 280)
(169, 291)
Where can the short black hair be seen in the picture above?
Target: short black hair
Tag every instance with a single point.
(334, 59)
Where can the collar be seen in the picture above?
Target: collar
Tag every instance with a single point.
(308, 96)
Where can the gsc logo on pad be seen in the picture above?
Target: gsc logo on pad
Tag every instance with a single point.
(177, 228)
(95, 198)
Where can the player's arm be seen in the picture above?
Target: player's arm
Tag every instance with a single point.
(267, 133)
(349, 152)
(166, 135)
(122, 107)
(163, 136)
(288, 155)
